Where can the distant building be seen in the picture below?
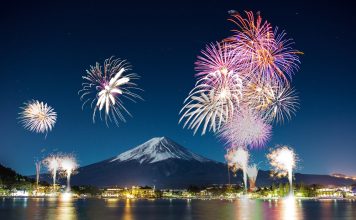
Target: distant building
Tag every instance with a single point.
(133, 192)
(334, 192)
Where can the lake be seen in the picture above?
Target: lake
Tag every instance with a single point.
(165, 209)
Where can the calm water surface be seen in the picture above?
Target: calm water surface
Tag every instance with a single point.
(40, 208)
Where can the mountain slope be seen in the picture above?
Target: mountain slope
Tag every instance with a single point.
(9, 177)
(158, 149)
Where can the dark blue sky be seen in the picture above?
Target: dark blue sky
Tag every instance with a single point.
(46, 47)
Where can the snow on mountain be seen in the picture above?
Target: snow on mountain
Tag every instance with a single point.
(158, 149)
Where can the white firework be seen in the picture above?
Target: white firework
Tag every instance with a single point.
(282, 105)
(213, 100)
(205, 108)
(274, 102)
(104, 88)
(38, 117)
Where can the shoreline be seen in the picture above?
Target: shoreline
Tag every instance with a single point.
(182, 198)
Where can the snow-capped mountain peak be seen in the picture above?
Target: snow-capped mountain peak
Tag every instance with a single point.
(158, 149)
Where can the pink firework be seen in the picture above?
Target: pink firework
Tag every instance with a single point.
(246, 128)
(268, 54)
(217, 58)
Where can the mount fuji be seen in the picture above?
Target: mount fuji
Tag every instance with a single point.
(158, 149)
(159, 161)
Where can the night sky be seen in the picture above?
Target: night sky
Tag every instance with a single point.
(46, 47)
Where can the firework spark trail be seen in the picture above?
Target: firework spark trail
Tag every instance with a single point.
(52, 163)
(38, 117)
(68, 166)
(238, 159)
(283, 160)
(246, 128)
(252, 172)
(105, 87)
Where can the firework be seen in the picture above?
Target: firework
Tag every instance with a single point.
(53, 163)
(283, 160)
(252, 172)
(238, 159)
(68, 166)
(257, 95)
(274, 102)
(216, 94)
(38, 171)
(268, 54)
(207, 109)
(218, 58)
(38, 117)
(282, 105)
(106, 86)
(246, 128)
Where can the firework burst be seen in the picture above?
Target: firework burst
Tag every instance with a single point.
(205, 108)
(217, 58)
(38, 117)
(274, 102)
(106, 86)
(246, 128)
(268, 54)
(283, 104)
(216, 94)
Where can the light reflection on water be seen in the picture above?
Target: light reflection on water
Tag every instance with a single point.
(126, 209)
(66, 210)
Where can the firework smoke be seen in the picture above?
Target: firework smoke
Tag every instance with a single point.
(252, 172)
(38, 117)
(105, 87)
(283, 160)
(238, 159)
(68, 166)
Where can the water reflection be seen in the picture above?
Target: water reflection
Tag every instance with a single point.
(127, 215)
(126, 209)
(65, 209)
(112, 202)
(290, 209)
